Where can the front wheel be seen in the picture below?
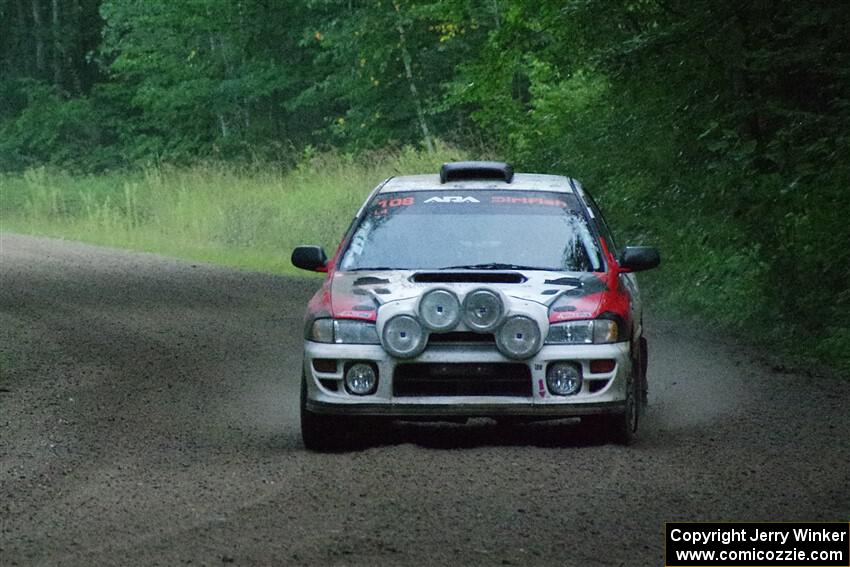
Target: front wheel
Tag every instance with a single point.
(321, 432)
(644, 383)
(620, 427)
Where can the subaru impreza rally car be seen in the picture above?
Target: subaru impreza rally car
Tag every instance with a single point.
(475, 292)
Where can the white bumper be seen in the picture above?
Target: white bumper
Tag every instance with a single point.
(600, 392)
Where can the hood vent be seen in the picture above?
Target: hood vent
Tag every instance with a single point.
(564, 281)
(370, 280)
(469, 277)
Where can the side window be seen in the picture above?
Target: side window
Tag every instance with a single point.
(602, 225)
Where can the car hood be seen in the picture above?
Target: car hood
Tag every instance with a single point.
(361, 294)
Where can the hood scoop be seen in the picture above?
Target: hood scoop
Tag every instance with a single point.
(469, 277)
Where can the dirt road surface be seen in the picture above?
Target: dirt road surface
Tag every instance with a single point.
(149, 415)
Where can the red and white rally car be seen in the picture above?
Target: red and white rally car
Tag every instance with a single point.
(475, 292)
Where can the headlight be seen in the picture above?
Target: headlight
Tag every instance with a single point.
(344, 331)
(322, 331)
(482, 310)
(519, 337)
(349, 331)
(403, 337)
(583, 332)
(439, 310)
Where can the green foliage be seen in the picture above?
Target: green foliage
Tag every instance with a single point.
(716, 129)
(50, 130)
(194, 77)
(712, 129)
(363, 86)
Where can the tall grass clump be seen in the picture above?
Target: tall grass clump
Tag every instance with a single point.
(248, 217)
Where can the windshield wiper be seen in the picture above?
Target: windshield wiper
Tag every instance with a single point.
(371, 269)
(494, 266)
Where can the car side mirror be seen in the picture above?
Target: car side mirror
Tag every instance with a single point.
(639, 258)
(311, 258)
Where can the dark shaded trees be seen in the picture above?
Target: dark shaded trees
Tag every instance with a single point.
(719, 128)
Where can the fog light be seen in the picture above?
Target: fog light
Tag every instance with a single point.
(361, 379)
(482, 310)
(403, 337)
(563, 378)
(519, 337)
(439, 310)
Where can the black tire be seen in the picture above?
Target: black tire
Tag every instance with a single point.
(321, 432)
(644, 365)
(621, 427)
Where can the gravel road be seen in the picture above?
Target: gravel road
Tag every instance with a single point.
(149, 415)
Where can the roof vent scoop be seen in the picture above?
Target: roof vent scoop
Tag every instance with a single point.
(473, 170)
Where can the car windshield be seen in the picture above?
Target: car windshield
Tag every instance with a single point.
(473, 230)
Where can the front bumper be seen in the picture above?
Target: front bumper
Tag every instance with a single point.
(600, 393)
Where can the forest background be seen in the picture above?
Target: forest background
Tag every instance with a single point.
(230, 131)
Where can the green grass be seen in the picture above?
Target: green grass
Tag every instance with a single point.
(248, 218)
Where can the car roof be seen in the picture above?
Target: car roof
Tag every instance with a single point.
(520, 182)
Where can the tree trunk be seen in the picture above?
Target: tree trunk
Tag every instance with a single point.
(58, 52)
(71, 60)
(414, 92)
(22, 36)
(38, 34)
(222, 124)
(222, 121)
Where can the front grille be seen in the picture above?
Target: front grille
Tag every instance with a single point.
(461, 337)
(485, 379)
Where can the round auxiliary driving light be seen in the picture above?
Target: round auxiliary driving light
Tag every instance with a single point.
(361, 379)
(482, 310)
(519, 337)
(439, 310)
(563, 378)
(403, 337)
